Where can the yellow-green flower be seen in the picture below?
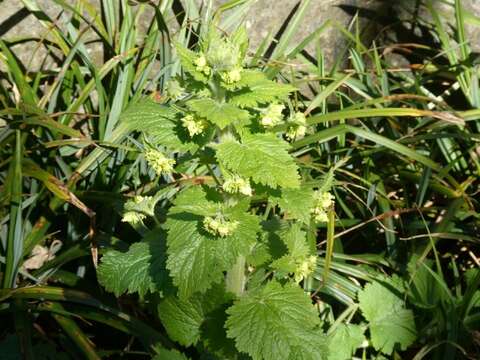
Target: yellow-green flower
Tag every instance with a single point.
(133, 217)
(158, 161)
(272, 115)
(324, 199)
(236, 184)
(297, 126)
(218, 226)
(305, 268)
(193, 125)
(322, 202)
(201, 64)
(232, 76)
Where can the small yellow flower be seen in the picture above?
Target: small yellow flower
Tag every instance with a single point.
(272, 115)
(158, 161)
(218, 226)
(232, 76)
(133, 217)
(305, 268)
(323, 201)
(319, 214)
(194, 126)
(201, 64)
(296, 126)
(236, 184)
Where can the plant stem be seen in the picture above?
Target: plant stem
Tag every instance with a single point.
(235, 281)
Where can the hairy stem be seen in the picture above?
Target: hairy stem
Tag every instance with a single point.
(235, 282)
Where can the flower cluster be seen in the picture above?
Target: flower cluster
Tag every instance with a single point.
(236, 184)
(323, 201)
(296, 126)
(219, 226)
(158, 161)
(201, 64)
(305, 268)
(193, 125)
(272, 115)
(133, 207)
(232, 76)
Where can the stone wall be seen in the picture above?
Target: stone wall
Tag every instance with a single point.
(265, 16)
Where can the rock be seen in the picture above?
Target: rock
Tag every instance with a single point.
(264, 17)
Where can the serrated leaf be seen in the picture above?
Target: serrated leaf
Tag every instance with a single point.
(344, 341)
(314, 347)
(159, 123)
(194, 201)
(263, 157)
(261, 92)
(298, 252)
(187, 58)
(183, 318)
(146, 111)
(220, 114)
(270, 245)
(276, 322)
(141, 269)
(295, 203)
(197, 259)
(251, 77)
(387, 315)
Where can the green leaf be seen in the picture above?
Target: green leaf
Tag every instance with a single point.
(194, 201)
(344, 341)
(165, 354)
(298, 252)
(183, 318)
(141, 269)
(386, 314)
(251, 77)
(295, 203)
(276, 322)
(159, 123)
(187, 58)
(220, 114)
(196, 258)
(424, 289)
(261, 92)
(11, 349)
(263, 157)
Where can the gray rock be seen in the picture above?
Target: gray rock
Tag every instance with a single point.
(265, 16)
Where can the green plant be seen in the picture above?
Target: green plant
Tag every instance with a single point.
(241, 234)
(240, 208)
